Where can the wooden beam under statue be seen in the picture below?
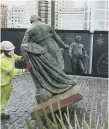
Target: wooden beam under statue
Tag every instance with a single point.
(71, 96)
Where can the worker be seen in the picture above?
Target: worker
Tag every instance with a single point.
(8, 72)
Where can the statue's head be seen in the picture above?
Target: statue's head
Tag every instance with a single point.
(34, 18)
(78, 39)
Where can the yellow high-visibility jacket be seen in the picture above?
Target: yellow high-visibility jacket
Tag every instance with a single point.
(8, 70)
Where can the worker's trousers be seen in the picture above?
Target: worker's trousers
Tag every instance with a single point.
(5, 94)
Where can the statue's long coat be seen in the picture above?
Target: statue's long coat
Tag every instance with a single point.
(40, 47)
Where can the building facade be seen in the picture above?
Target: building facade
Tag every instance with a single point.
(82, 15)
(31, 7)
(98, 15)
(69, 16)
(3, 15)
(16, 16)
(44, 11)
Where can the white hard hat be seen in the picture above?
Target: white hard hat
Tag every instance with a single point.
(7, 45)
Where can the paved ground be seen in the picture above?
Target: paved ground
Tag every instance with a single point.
(23, 98)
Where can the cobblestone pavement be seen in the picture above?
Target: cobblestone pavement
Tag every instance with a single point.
(22, 100)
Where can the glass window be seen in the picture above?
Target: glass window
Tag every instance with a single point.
(99, 14)
(99, 25)
(100, 4)
(107, 25)
(107, 15)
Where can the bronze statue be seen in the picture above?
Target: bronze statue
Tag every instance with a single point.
(79, 56)
(40, 49)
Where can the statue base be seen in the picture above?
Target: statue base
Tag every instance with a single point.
(58, 101)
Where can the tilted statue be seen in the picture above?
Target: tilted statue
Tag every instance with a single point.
(79, 56)
(40, 49)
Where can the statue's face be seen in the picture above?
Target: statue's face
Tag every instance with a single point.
(33, 22)
(78, 39)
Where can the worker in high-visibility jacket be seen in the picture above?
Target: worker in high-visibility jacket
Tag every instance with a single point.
(8, 72)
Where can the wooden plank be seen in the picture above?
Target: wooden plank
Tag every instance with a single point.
(71, 96)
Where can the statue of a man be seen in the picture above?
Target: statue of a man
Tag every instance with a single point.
(78, 55)
(40, 47)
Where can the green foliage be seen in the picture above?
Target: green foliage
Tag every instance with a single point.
(58, 121)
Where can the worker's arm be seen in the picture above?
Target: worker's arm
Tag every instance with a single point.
(18, 58)
(70, 50)
(58, 39)
(26, 37)
(8, 67)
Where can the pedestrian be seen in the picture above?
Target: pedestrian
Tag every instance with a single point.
(78, 55)
(8, 72)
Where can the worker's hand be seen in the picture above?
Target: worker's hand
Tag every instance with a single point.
(22, 58)
(28, 67)
(66, 46)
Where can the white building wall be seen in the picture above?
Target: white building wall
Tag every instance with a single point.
(99, 14)
(89, 15)
(31, 7)
(69, 16)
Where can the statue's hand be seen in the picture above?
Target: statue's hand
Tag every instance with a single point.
(86, 56)
(79, 56)
(70, 55)
(66, 46)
